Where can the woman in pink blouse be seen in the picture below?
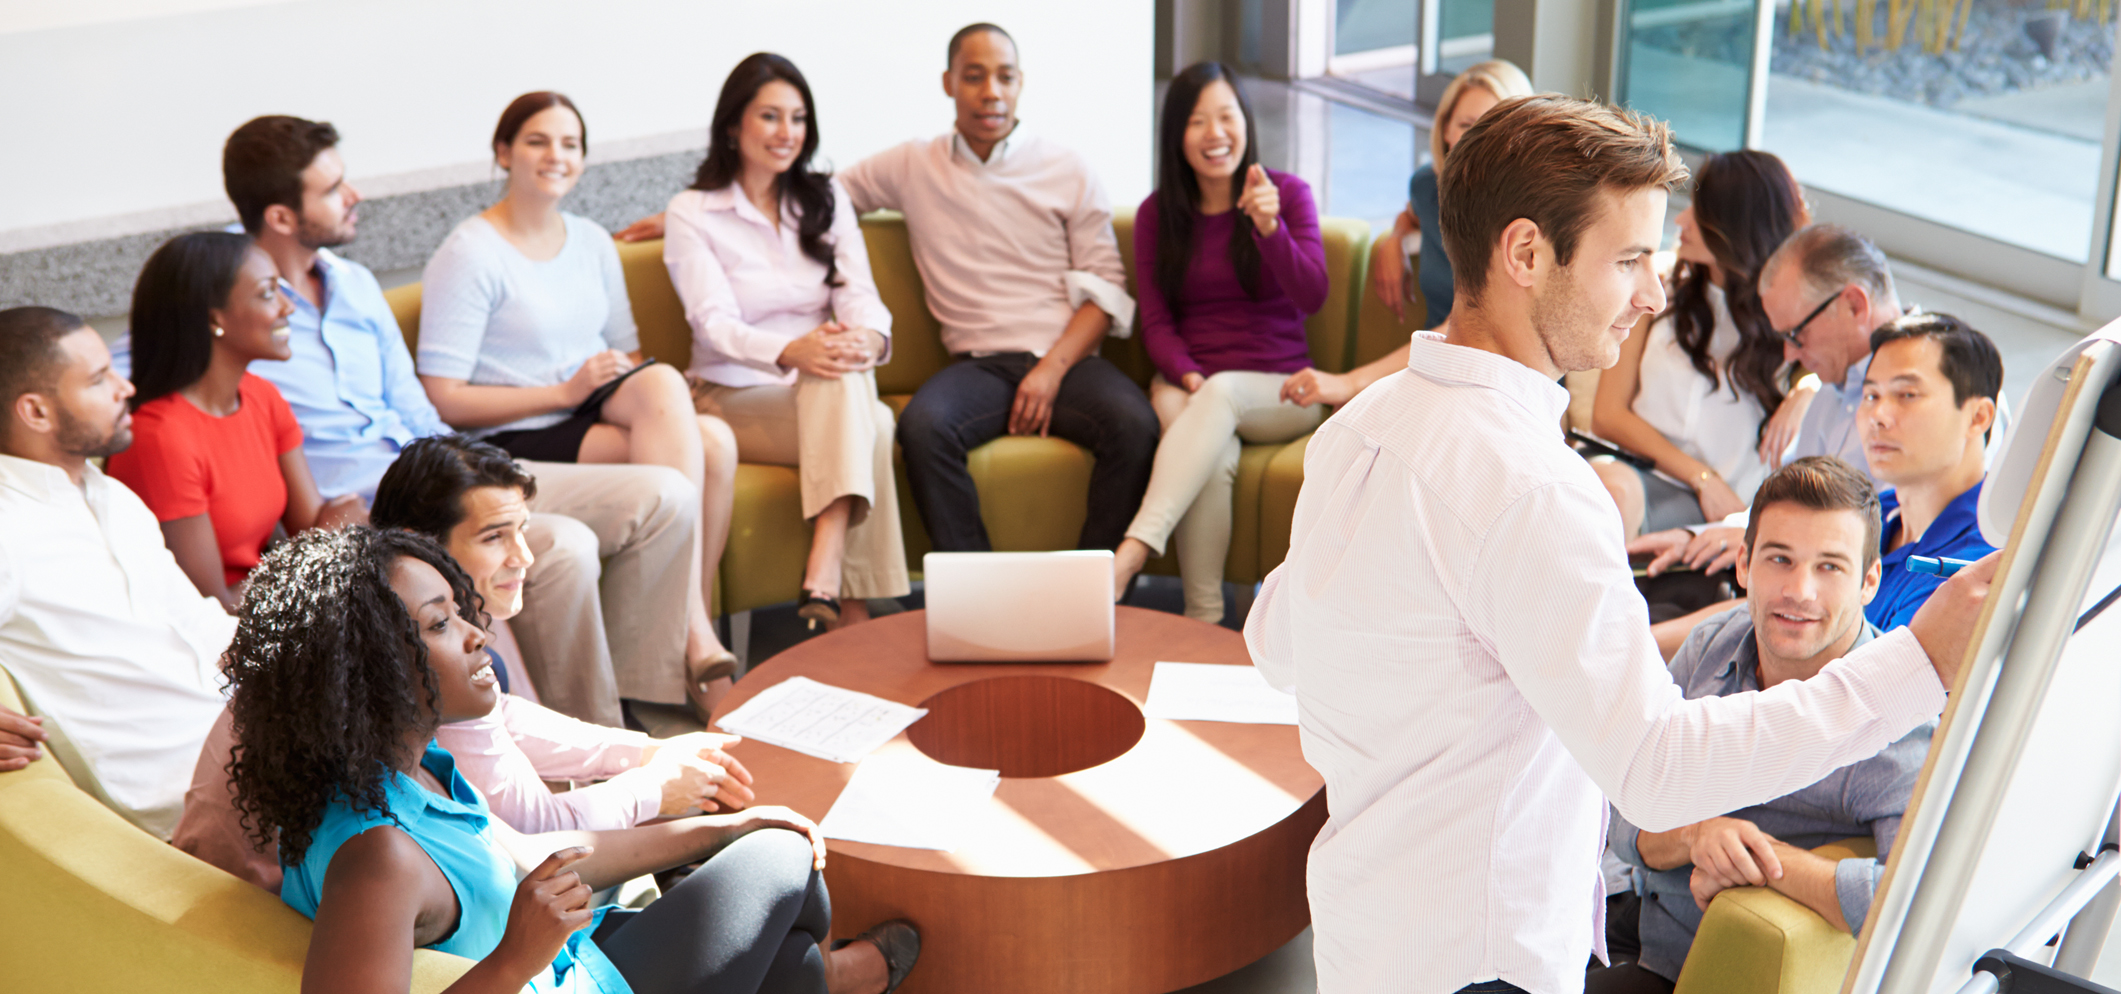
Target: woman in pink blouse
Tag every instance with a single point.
(787, 330)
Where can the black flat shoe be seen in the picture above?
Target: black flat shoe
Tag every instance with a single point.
(817, 610)
(900, 943)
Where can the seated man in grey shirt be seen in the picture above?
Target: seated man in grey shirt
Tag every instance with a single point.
(1810, 564)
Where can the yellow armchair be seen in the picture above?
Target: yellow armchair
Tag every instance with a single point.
(95, 904)
(1754, 940)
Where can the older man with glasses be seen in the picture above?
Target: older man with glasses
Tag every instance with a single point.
(1826, 289)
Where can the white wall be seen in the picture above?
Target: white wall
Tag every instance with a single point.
(112, 112)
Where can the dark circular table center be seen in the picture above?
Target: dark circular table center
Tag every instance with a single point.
(1120, 853)
(1027, 726)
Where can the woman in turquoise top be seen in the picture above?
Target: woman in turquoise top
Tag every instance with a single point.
(353, 646)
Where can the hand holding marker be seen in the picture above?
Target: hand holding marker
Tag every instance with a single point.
(1940, 565)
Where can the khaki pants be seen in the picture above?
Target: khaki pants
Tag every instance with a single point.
(1196, 470)
(604, 604)
(837, 435)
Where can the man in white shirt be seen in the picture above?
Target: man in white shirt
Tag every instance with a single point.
(1012, 235)
(1457, 619)
(115, 651)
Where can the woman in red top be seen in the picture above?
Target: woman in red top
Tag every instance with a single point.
(216, 453)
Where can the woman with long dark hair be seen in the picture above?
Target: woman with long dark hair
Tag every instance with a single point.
(1694, 385)
(353, 647)
(787, 330)
(216, 452)
(1233, 264)
(527, 341)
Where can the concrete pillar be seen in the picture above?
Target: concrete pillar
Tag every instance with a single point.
(1564, 45)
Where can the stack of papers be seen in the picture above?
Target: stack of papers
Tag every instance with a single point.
(820, 720)
(906, 799)
(1211, 692)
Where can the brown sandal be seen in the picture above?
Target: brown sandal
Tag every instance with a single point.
(818, 611)
(701, 676)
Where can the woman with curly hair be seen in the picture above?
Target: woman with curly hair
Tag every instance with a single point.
(1694, 385)
(352, 647)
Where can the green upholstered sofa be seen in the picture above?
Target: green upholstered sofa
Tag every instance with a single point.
(95, 904)
(1032, 490)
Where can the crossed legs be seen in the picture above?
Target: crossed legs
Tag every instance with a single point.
(650, 421)
(837, 435)
(1196, 468)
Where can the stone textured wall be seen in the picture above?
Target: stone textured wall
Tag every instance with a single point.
(95, 279)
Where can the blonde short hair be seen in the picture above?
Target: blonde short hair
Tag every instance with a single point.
(1500, 77)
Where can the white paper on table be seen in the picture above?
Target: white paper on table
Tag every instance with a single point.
(1214, 692)
(902, 798)
(820, 720)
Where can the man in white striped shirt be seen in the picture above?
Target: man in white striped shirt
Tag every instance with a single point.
(1457, 619)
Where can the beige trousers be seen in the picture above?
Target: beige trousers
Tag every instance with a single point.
(837, 435)
(604, 604)
(1196, 470)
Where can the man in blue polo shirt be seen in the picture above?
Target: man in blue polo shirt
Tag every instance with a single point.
(1929, 402)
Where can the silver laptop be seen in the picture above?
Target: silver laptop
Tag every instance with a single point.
(1007, 607)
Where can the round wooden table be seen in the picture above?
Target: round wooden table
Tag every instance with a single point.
(1120, 854)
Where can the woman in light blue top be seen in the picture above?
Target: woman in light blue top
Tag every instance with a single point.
(354, 645)
(527, 341)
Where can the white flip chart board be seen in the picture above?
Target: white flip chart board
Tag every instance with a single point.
(2025, 768)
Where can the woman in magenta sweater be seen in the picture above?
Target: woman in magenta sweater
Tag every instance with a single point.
(1232, 264)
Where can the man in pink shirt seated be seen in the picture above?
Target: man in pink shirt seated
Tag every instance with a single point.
(474, 500)
(1013, 238)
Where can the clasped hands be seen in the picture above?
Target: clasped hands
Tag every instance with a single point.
(832, 349)
(1729, 852)
(20, 736)
(1716, 548)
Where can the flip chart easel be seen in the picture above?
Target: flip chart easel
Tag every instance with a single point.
(2010, 837)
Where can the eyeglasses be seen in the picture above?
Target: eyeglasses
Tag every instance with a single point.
(1794, 335)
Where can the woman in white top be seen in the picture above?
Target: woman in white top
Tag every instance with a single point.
(787, 330)
(1693, 384)
(527, 341)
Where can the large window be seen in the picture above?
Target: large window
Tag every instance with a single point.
(1968, 135)
(1374, 44)
(1691, 63)
(1989, 121)
(1409, 48)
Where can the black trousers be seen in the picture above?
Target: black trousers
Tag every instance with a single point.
(1623, 942)
(967, 404)
(748, 920)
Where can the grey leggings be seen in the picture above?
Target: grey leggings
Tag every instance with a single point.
(747, 921)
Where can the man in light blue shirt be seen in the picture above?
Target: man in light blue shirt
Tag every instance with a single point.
(350, 381)
(587, 643)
